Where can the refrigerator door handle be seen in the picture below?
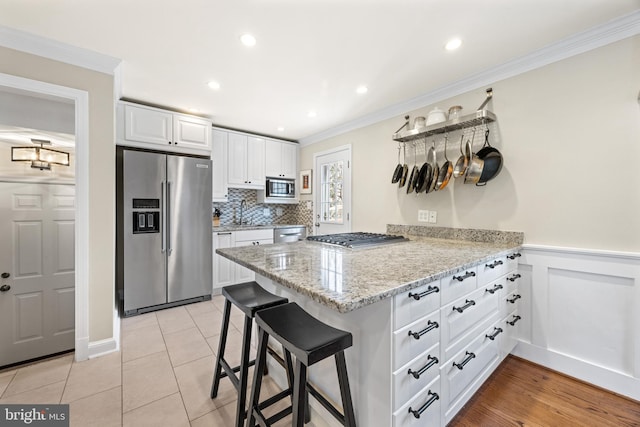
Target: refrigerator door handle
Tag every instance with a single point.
(163, 226)
(168, 215)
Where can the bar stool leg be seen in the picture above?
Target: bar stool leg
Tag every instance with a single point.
(343, 380)
(299, 396)
(261, 360)
(244, 371)
(221, 346)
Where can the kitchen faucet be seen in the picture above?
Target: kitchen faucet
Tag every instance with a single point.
(243, 204)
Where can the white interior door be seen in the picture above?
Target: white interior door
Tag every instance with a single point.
(37, 262)
(332, 189)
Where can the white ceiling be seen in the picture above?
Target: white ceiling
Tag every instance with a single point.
(310, 54)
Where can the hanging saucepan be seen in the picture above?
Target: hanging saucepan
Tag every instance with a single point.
(397, 173)
(492, 161)
(425, 172)
(474, 169)
(405, 168)
(436, 170)
(460, 168)
(446, 170)
(414, 172)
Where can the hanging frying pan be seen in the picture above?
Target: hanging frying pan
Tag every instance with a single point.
(492, 161)
(425, 172)
(460, 168)
(405, 168)
(436, 170)
(446, 170)
(397, 173)
(414, 173)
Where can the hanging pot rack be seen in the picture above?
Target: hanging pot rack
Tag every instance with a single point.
(480, 116)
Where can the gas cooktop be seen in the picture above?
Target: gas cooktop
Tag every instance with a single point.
(357, 239)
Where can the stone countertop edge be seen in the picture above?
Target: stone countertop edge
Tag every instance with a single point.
(465, 234)
(356, 302)
(235, 227)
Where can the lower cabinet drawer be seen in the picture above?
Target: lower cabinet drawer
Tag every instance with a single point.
(415, 338)
(509, 338)
(415, 375)
(456, 285)
(509, 303)
(458, 373)
(423, 410)
(411, 305)
(465, 315)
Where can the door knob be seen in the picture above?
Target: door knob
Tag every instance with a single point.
(4, 288)
(5, 275)
(317, 224)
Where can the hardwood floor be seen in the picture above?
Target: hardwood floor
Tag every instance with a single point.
(521, 393)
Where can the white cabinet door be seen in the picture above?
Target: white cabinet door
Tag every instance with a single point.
(273, 158)
(255, 162)
(237, 155)
(289, 160)
(223, 268)
(191, 132)
(219, 160)
(148, 125)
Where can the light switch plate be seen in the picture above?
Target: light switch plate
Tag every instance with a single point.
(423, 216)
(266, 212)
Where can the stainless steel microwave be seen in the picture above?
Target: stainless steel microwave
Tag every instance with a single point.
(285, 188)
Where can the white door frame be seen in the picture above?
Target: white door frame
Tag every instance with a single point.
(316, 184)
(81, 100)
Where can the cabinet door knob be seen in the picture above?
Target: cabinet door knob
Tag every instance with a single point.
(4, 288)
(5, 275)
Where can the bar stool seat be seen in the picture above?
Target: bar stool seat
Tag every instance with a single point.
(249, 297)
(310, 341)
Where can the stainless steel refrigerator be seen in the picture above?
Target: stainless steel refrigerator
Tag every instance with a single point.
(163, 245)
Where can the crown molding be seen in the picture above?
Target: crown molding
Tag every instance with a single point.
(615, 30)
(48, 48)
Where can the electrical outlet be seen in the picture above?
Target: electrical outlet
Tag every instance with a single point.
(279, 211)
(433, 217)
(423, 216)
(309, 205)
(266, 212)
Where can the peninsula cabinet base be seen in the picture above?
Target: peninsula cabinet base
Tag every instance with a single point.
(404, 387)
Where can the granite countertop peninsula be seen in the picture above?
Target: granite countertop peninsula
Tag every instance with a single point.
(346, 279)
(237, 227)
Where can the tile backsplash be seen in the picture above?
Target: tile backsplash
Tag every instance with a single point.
(254, 212)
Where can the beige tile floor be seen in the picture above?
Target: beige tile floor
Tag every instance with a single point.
(161, 377)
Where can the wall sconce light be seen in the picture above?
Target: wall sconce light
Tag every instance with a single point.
(40, 157)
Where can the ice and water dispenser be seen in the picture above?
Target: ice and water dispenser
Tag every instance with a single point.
(146, 220)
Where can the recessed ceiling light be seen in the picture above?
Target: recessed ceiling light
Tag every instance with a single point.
(248, 40)
(360, 90)
(311, 114)
(453, 44)
(213, 85)
(280, 129)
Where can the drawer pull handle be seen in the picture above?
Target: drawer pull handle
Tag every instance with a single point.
(466, 360)
(514, 277)
(495, 289)
(416, 374)
(514, 299)
(464, 307)
(494, 265)
(514, 320)
(497, 331)
(432, 326)
(430, 290)
(467, 274)
(514, 255)
(417, 412)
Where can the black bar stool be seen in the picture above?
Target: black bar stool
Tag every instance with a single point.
(310, 341)
(249, 297)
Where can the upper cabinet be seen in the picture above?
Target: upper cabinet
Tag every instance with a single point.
(219, 161)
(246, 164)
(281, 159)
(153, 128)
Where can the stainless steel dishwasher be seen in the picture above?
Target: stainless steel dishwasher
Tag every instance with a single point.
(289, 234)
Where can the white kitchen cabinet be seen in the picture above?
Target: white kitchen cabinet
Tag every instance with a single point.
(154, 128)
(281, 159)
(223, 268)
(227, 272)
(246, 161)
(220, 190)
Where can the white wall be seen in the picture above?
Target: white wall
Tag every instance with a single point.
(570, 135)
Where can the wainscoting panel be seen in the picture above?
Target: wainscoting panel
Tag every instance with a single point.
(581, 315)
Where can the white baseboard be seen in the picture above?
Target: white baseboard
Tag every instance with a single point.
(102, 347)
(599, 376)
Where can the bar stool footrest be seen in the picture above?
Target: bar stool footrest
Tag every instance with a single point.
(275, 398)
(324, 402)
